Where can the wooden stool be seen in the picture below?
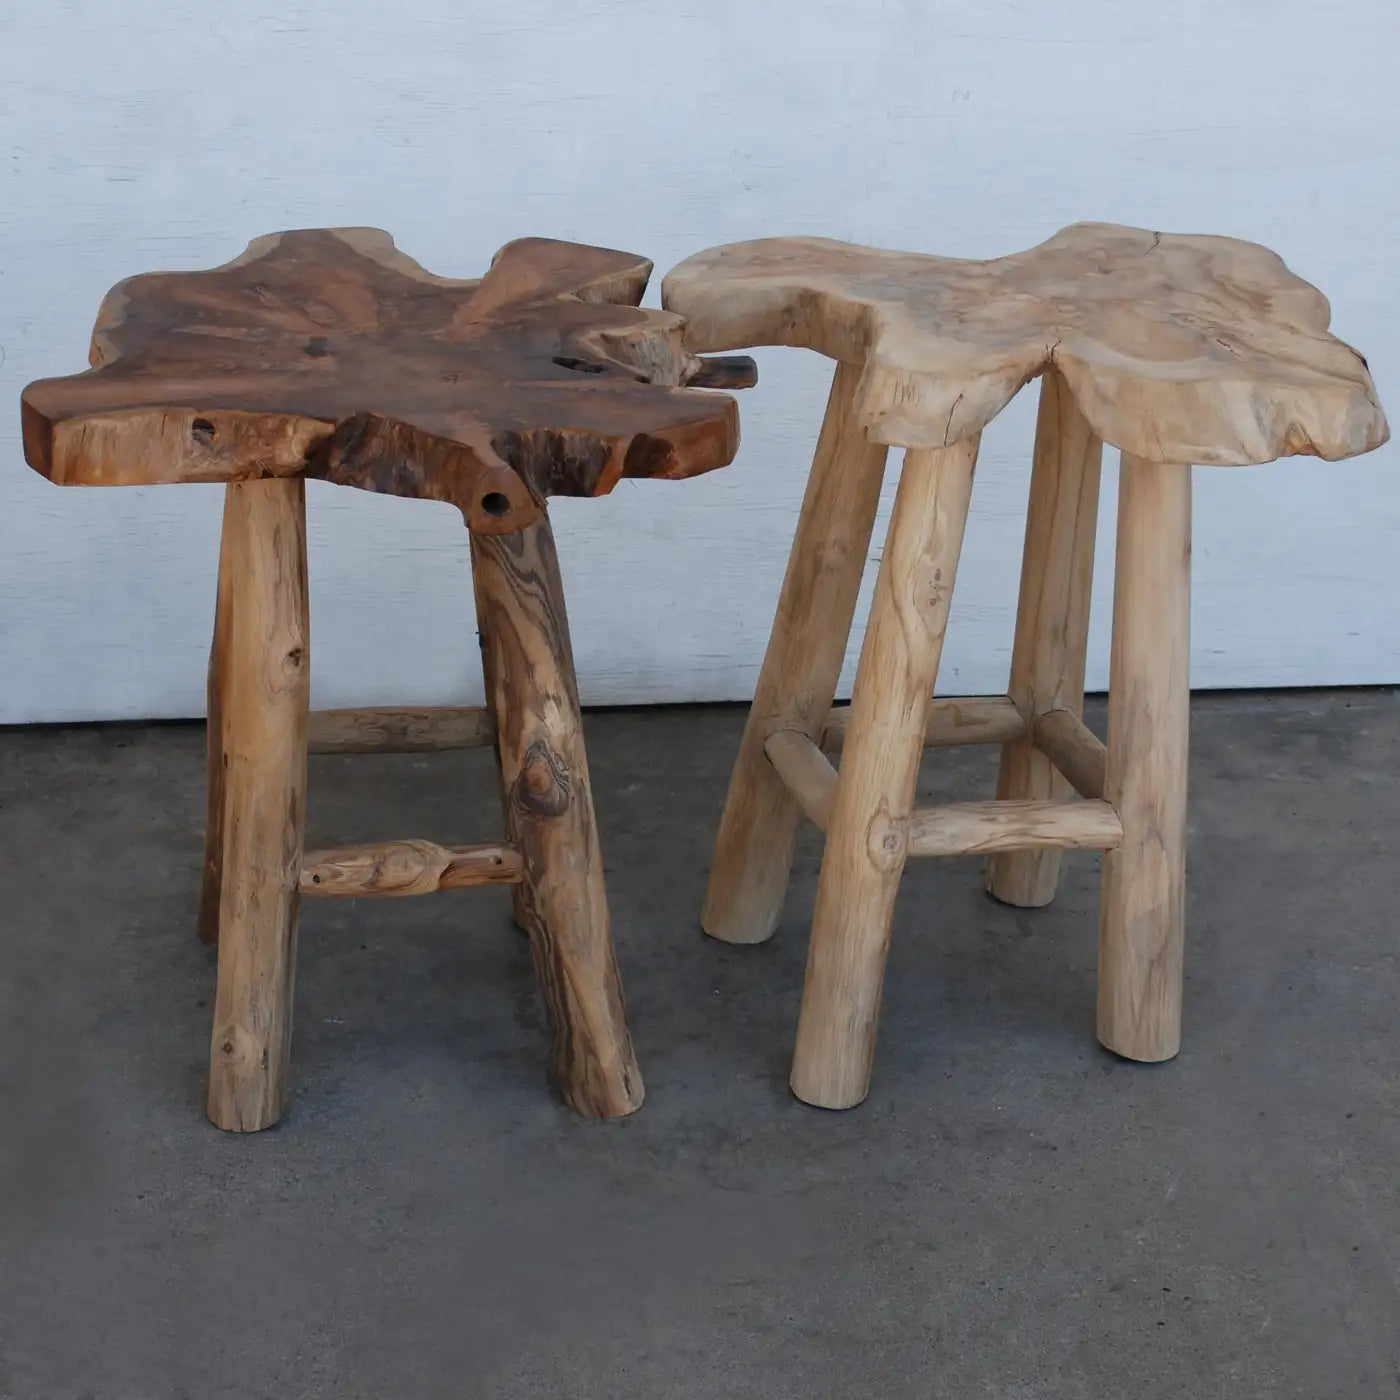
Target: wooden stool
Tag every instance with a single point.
(329, 354)
(1176, 350)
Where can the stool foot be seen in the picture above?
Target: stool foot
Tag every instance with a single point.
(1052, 624)
(263, 680)
(758, 831)
(1142, 904)
(531, 687)
(209, 892)
(867, 836)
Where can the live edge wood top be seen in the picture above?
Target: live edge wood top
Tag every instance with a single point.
(1183, 349)
(328, 353)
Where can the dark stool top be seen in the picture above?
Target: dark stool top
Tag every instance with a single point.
(1176, 348)
(328, 353)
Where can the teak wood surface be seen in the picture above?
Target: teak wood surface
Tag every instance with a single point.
(1176, 348)
(328, 353)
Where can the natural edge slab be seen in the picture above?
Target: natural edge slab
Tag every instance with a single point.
(408, 867)
(1176, 347)
(806, 772)
(973, 719)
(979, 828)
(396, 729)
(1074, 749)
(328, 353)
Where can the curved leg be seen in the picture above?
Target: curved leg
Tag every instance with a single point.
(212, 882)
(1052, 623)
(866, 837)
(264, 685)
(530, 686)
(758, 831)
(1142, 911)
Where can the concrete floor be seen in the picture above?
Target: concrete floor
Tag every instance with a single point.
(1012, 1214)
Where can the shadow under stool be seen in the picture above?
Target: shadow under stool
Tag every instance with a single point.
(1178, 351)
(329, 354)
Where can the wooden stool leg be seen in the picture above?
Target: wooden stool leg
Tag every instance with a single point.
(530, 685)
(866, 837)
(1052, 623)
(1142, 908)
(212, 882)
(263, 672)
(758, 831)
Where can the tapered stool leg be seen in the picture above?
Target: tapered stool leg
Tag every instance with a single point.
(211, 884)
(531, 687)
(1052, 623)
(867, 833)
(758, 831)
(1142, 904)
(263, 671)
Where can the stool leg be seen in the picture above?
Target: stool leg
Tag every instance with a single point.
(209, 892)
(264, 684)
(1142, 905)
(531, 687)
(865, 845)
(1052, 623)
(758, 831)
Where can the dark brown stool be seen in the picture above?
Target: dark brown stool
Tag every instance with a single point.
(327, 353)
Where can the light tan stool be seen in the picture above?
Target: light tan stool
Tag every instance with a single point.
(1176, 350)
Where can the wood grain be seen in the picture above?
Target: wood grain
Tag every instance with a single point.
(1052, 623)
(400, 729)
(1075, 750)
(806, 772)
(867, 835)
(212, 880)
(408, 868)
(264, 680)
(329, 353)
(1175, 348)
(758, 830)
(979, 828)
(530, 684)
(954, 719)
(1142, 911)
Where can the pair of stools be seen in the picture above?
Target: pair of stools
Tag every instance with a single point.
(328, 354)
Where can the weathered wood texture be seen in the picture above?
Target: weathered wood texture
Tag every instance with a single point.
(758, 830)
(1052, 622)
(530, 681)
(264, 682)
(408, 867)
(212, 882)
(867, 835)
(1074, 749)
(400, 729)
(979, 828)
(970, 719)
(806, 772)
(328, 353)
(1142, 905)
(1175, 348)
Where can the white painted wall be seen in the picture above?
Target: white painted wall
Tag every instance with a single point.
(142, 134)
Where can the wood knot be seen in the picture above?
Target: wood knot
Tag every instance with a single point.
(886, 841)
(542, 785)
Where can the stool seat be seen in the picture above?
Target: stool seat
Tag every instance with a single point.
(328, 353)
(1177, 348)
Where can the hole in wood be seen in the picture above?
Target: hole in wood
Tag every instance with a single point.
(582, 366)
(202, 430)
(496, 503)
